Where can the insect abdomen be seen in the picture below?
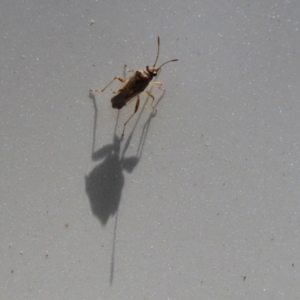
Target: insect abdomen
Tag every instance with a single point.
(118, 101)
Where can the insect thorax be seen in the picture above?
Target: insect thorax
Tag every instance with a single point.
(144, 75)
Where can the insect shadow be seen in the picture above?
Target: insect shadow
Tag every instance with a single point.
(105, 182)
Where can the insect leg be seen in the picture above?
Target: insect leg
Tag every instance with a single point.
(154, 83)
(128, 70)
(153, 99)
(97, 91)
(119, 78)
(135, 110)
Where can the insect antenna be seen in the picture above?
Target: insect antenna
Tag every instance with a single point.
(158, 44)
(167, 63)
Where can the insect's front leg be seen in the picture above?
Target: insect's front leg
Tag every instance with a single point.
(155, 83)
(119, 78)
(135, 110)
(128, 70)
(153, 99)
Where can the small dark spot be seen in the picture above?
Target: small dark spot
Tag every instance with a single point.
(12, 271)
(66, 225)
(293, 265)
(244, 278)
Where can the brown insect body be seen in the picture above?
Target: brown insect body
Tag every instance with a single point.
(135, 85)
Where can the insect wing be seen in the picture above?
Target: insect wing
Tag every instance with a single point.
(135, 86)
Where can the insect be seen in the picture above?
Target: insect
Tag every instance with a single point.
(135, 85)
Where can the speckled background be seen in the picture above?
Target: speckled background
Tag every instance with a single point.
(200, 201)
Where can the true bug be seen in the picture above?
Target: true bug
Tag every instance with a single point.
(135, 85)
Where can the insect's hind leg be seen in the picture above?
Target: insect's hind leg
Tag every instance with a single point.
(135, 110)
(119, 78)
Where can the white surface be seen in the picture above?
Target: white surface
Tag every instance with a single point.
(211, 207)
